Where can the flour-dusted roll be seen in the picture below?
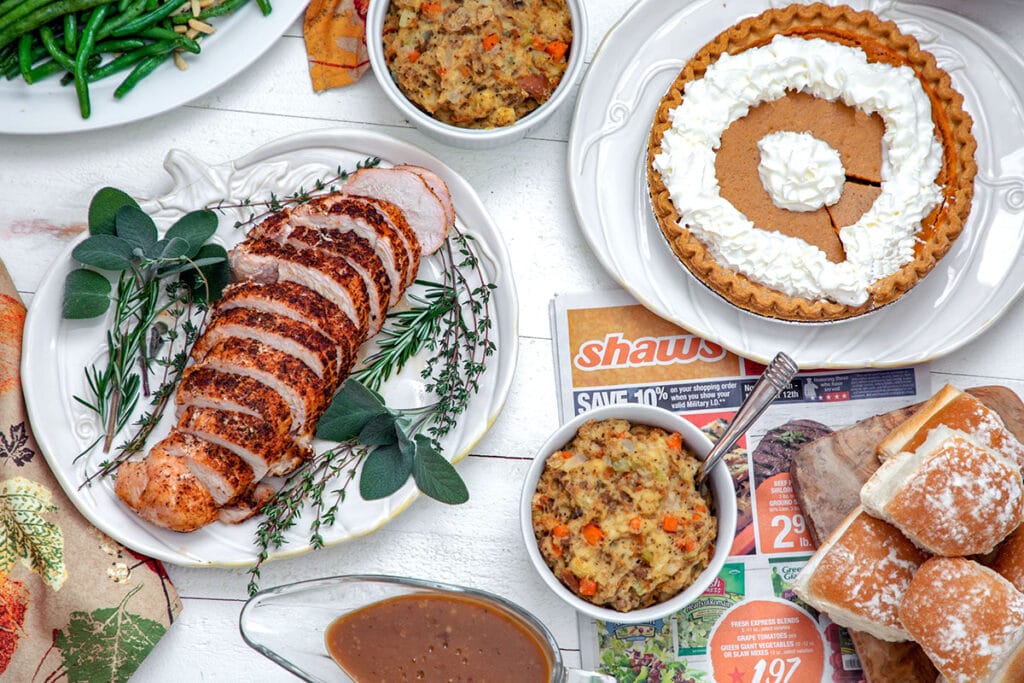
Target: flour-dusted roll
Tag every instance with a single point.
(859, 574)
(951, 496)
(957, 410)
(1009, 559)
(968, 619)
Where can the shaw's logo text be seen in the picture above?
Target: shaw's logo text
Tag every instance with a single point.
(615, 352)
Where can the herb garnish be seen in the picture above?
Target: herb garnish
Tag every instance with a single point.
(156, 277)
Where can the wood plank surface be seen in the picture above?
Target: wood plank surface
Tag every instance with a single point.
(827, 477)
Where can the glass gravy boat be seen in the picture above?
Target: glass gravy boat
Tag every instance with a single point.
(287, 623)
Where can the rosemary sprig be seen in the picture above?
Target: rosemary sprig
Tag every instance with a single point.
(301, 196)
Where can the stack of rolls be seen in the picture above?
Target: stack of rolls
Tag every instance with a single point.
(935, 552)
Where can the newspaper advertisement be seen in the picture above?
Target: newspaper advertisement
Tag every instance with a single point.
(748, 627)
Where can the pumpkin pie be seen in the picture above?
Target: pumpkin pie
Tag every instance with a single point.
(858, 86)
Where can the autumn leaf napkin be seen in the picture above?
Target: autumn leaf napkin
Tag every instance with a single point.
(335, 34)
(74, 604)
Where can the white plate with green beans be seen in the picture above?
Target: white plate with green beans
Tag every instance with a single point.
(72, 65)
(58, 350)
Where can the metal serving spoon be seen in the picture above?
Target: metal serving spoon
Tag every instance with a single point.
(773, 380)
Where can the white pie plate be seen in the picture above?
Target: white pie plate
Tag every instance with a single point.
(969, 289)
(56, 350)
(240, 39)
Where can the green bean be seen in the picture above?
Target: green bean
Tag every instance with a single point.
(136, 8)
(50, 43)
(129, 59)
(141, 70)
(220, 9)
(123, 5)
(158, 33)
(69, 76)
(23, 9)
(12, 32)
(149, 19)
(25, 54)
(82, 57)
(265, 7)
(70, 32)
(119, 45)
(44, 70)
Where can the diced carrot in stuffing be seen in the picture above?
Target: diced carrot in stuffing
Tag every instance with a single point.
(675, 441)
(700, 507)
(635, 523)
(490, 41)
(413, 56)
(593, 534)
(686, 543)
(433, 9)
(670, 524)
(560, 531)
(588, 587)
(565, 454)
(538, 43)
(557, 49)
(556, 550)
(697, 516)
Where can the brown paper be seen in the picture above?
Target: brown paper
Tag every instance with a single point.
(74, 604)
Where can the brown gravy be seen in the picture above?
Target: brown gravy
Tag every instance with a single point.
(430, 637)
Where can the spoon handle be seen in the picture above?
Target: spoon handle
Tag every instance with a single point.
(774, 379)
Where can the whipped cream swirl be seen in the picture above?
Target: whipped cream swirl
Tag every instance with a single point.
(881, 241)
(799, 171)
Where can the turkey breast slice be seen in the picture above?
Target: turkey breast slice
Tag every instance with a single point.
(206, 387)
(306, 394)
(266, 261)
(359, 253)
(288, 335)
(163, 490)
(297, 302)
(438, 185)
(399, 252)
(248, 437)
(247, 506)
(225, 475)
(408, 191)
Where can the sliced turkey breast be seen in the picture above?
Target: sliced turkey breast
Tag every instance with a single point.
(296, 338)
(408, 191)
(398, 251)
(439, 187)
(360, 255)
(163, 490)
(247, 506)
(306, 394)
(248, 437)
(297, 302)
(266, 261)
(205, 387)
(225, 475)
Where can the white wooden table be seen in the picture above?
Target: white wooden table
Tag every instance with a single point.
(45, 186)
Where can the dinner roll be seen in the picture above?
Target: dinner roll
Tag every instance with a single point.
(968, 619)
(859, 574)
(1009, 559)
(952, 496)
(957, 410)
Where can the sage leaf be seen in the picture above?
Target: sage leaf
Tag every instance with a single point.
(385, 470)
(136, 228)
(352, 407)
(379, 431)
(435, 476)
(195, 228)
(105, 252)
(86, 294)
(212, 261)
(103, 209)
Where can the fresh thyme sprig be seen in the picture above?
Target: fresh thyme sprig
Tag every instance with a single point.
(301, 196)
(307, 486)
